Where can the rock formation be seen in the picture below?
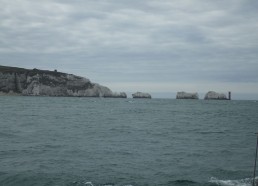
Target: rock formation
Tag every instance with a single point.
(185, 95)
(141, 95)
(215, 95)
(49, 83)
(116, 95)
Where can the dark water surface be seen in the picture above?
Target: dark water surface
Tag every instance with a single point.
(89, 141)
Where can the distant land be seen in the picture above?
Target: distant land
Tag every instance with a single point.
(35, 82)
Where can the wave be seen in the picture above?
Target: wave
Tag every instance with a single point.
(212, 182)
(241, 182)
(89, 183)
(212, 132)
(183, 183)
(108, 184)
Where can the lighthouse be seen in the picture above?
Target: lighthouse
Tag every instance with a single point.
(229, 95)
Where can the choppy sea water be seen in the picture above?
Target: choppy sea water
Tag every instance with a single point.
(126, 142)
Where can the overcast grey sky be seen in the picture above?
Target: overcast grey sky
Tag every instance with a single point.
(137, 45)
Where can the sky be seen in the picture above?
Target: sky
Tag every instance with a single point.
(154, 46)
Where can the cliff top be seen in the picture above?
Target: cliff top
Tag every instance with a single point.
(7, 69)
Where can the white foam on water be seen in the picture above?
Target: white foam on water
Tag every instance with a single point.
(241, 182)
(88, 183)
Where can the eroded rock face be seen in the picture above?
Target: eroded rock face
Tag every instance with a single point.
(49, 83)
(186, 95)
(141, 95)
(215, 95)
(116, 95)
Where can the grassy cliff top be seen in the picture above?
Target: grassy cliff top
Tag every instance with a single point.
(7, 69)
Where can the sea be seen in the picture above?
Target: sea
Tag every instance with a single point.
(72, 141)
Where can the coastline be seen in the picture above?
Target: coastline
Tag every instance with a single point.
(10, 94)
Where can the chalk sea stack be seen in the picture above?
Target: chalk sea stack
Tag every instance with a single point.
(35, 82)
(215, 96)
(115, 95)
(141, 95)
(186, 95)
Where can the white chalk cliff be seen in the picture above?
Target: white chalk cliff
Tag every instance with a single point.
(215, 95)
(141, 95)
(50, 83)
(186, 95)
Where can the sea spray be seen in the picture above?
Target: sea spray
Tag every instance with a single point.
(240, 182)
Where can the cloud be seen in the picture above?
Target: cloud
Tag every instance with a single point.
(144, 42)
